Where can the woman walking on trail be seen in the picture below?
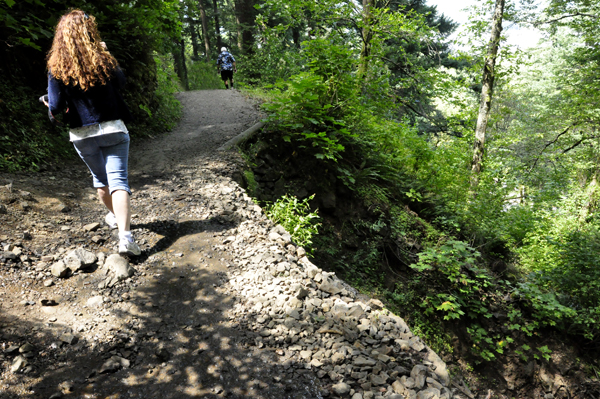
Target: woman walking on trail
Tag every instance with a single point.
(85, 78)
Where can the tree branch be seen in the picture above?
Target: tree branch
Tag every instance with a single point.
(441, 129)
(548, 145)
(577, 143)
(577, 14)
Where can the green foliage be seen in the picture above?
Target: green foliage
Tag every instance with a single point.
(275, 61)
(295, 216)
(27, 140)
(203, 76)
(31, 22)
(308, 109)
(563, 286)
(544, 352)
(486, 345)
(402, 300)
(304, 117)
(507, 262)
(284, 28)
(481, 342)
(406, 41)
(535, 211)
(252, 183)
(465, 281)
(169, 108)
(20, 25)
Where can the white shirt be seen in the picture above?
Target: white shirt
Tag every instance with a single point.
(80, 133)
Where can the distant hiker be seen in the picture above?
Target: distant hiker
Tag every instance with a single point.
(227, 66)
(85, 79)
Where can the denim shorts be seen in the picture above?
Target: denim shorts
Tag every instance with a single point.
(106, 157)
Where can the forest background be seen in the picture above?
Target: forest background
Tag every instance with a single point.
(499, 249)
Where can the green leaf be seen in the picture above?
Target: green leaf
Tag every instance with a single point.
(27, 41)
(446, 306)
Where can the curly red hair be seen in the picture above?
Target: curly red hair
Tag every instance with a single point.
(77, 56)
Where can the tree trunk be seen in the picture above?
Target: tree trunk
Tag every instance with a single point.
(217, 26)
(245, 14)
(486, 92)
(194, 37)
(367, 36)
(204, 30)
(179, 64)
(238, 23)
(185, 71)
(591, 206)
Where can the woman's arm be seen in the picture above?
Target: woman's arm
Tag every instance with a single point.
(56, 97)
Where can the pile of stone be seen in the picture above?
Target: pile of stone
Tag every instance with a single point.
(356, 347)
(63, 266)
(80, 259)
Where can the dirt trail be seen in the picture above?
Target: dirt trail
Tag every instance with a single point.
(170, 320)
(211, 117)
(221, 303)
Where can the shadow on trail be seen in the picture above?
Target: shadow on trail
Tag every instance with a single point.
(172, 231)
(174, 335)
(177, 338)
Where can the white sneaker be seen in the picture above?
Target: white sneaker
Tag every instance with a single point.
(130, 248)
(111, 220)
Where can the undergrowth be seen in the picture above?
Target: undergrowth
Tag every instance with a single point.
(438, 283)
(27, 139)
(499, 276)
(203, 75)
(169, 109)
(296, 217)
(423, 264)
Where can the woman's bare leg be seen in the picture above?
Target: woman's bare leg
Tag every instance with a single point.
(118, 203)
(105, 198)
(121, 206)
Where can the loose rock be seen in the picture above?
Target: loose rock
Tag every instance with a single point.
(119, 266)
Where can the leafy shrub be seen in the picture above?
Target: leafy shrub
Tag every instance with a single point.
(563, 287)
(27, 139)
(303, 116)
(310, 108)
(169, 108)
(203, 75)
(465, 281)
(272, 62)
(295, 216)
(148, 94)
